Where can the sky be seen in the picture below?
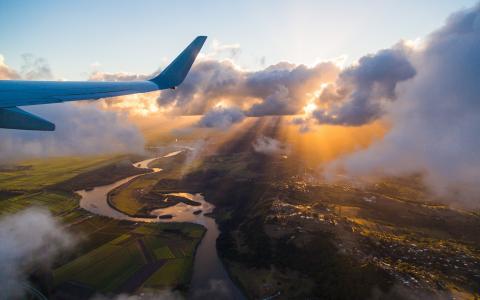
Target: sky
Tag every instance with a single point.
(79, 37)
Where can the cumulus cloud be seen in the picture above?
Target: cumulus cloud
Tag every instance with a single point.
(30, 238)
(280, 89)
(80, 129)
(278, 103)
(221, 117)
(436, 118)
(207, 83)
(360, 92)
(276, 90)
(136, 104)
(269, 146)
(6, 72)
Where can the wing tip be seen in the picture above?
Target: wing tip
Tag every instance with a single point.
(174, 74)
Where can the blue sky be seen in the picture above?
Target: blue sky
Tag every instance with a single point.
(138, 36)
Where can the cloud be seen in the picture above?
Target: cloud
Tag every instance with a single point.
(269, 146)
(6, 72)
(221, 118)
(80, 129)
(207, 84)
(278, 103)
(280, 89)
(119, 76)
(304, 123)
(232, 50)
(30, 239)
(435, 119)
(35, 68)
(160, 295)
(276, 90)
(360, 92)
(195, 151)
(137, 104)
(283, 88)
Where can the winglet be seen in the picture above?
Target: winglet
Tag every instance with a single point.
(175, 73)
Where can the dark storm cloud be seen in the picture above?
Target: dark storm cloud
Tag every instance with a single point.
(436, 118)
(360, 92)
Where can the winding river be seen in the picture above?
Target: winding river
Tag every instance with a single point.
(210, 279)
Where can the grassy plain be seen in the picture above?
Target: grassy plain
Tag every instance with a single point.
(110, 266)
(40, 173)
(173, 272)
(125, 198)
(110, 256)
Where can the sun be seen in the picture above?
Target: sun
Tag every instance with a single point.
(309, 108)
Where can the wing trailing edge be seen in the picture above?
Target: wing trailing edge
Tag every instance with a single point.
(15, 118)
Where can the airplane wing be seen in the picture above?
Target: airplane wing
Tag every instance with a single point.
(15, 93)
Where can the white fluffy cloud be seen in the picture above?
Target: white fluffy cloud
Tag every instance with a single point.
(6, 72)
(361, 91)
(279, 89)
(30, 238)
(80, 129)
(436, 117)
(269, 146)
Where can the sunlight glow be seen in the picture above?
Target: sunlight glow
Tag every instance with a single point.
(309, 108)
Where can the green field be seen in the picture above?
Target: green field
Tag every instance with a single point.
(174, 272)
(109, 266)
(103, 269)
(109, 253)
(57, 203)
(125, 198)
(40, 173)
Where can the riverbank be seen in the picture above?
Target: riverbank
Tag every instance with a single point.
(208, 270)
(110, 255)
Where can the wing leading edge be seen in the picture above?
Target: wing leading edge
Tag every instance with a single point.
(15, 93)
